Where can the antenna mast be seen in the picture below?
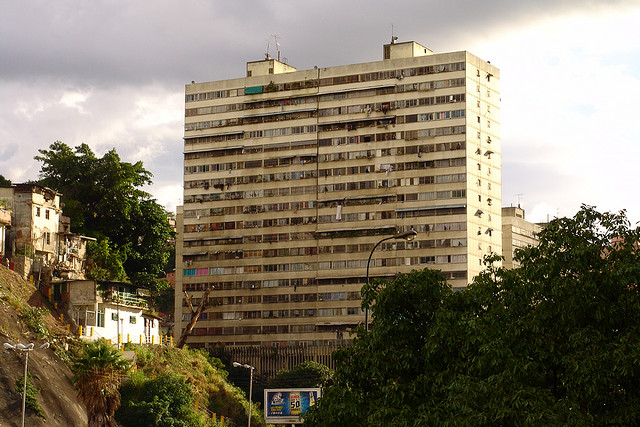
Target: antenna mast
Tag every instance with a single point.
(266, 55)
(275, 38)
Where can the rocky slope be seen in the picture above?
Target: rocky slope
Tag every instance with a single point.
(21, 321)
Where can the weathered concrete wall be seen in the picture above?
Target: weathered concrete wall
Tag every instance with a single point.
(82, 292)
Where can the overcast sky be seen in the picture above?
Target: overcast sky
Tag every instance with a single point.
(112, 73)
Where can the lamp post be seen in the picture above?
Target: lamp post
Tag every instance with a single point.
(407, 235)
(25, 349)
(251, 368)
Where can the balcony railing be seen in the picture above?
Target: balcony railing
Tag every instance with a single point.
(124, 298)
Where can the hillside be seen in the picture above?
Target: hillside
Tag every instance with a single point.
(26, 317)
(20, 313)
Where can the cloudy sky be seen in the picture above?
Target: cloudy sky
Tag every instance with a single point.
(111, 73)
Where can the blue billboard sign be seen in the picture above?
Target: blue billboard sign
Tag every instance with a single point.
(286, 406)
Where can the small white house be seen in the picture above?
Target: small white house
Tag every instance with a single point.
(112, 310)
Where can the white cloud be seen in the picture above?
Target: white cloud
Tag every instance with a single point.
(73, 99)
(168, 196)
(112, 75)
(568, 91)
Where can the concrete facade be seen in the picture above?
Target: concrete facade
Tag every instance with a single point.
(110, 310)
(517, 232)
(40, 242)
(36, 216)
(291, 177)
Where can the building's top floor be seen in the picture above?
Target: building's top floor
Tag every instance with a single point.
(396, 56)
(30, 194)
(513, 211)
(410, 49)
(392, 50)
(92, 291)
(513, 219)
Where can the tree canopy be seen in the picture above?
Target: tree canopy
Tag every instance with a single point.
(556, 341)
(306, 374)
(4, 182)
(166, 401)
(97, 376)
(104, 199)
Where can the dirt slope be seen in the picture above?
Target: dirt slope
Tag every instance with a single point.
(57, 397)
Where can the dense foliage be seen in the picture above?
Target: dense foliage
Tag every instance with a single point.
(556, 341)
(97, 375)
(304, 375)
(170, 381)
(4, 182)
(103, 198)
(163, 401)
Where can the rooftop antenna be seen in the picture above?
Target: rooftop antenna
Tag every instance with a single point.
(266, 55)
(393, 38)
(275, 37)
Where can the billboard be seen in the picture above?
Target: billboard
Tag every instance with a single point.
(285, 406)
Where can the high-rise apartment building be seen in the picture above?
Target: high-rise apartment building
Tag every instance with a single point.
(517, 233)
(292, 177)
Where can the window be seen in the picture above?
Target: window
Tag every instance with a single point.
(46, 213)
(100, 319)
(114, 316)
(133, 319)
(37, 210)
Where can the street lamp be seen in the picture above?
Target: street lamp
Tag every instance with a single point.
(251, 368)
(25, 349)
(407, 235)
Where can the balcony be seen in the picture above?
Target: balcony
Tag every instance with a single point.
(127, 297)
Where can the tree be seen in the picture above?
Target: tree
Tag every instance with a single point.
(375, 378)
(164, 297)
(166, 401)
(97, 373)
(553, 342)
(304, 375)
(104, 199)
(106, 262)
(195, 315)
(4, 182)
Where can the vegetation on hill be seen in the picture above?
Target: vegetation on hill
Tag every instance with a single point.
(171, 382)
(554, 342)
(172, 387)
(25, 318)
(98, 370)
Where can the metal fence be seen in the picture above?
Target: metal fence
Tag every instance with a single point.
(270, 360)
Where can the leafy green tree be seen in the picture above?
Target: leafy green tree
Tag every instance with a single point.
(376, 377)
(107, 263)
(4, 182)
(97, 376)
(306, 374)
(163, 401)
(164, 297)
(554, 342)
(104, 199)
